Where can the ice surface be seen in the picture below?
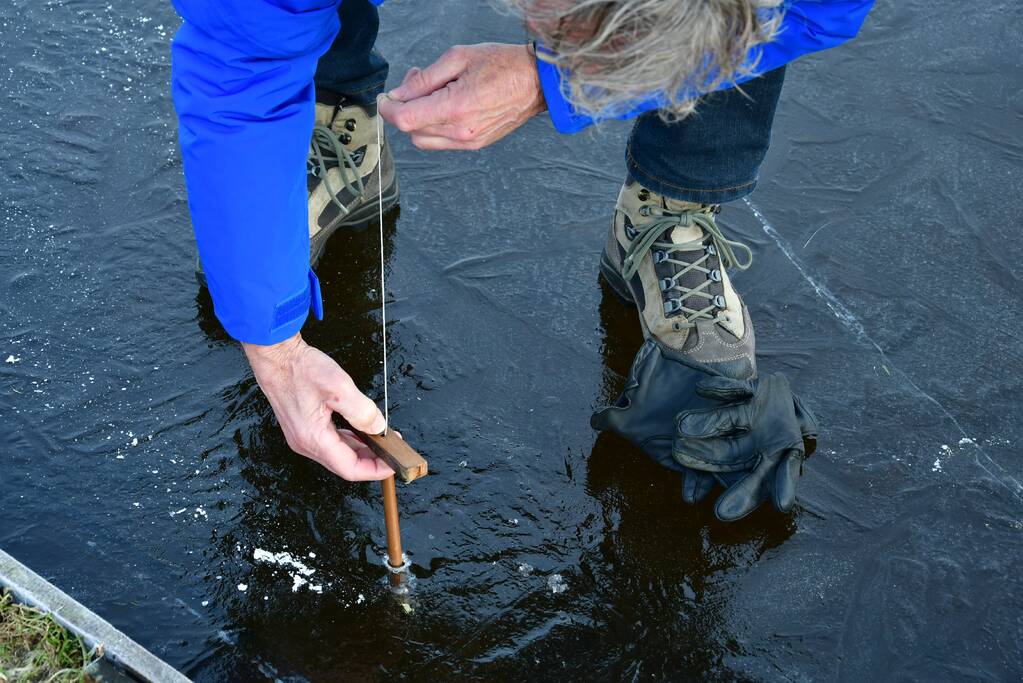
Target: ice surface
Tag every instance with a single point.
(885, 285)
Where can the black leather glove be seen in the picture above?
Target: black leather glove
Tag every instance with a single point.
(714, 430)
(658, 387)
(754, 445)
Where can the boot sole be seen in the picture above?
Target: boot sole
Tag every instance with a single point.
(615, 281)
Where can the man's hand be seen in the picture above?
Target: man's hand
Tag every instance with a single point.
(471, 97)
(305, 387)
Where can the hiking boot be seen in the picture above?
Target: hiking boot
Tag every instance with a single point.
(343, 176)
(669, 259)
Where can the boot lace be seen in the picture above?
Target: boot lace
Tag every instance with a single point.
(328, 152)
(647, 238)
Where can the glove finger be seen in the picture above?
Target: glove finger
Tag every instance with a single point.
(715, 440)
(808, 425)
(725, 389)
(716, 455)
(696, 485)
(744, 496)
(705, 423)
(806, 416)
(786, 477)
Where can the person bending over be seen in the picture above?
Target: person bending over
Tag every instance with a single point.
(278, 111)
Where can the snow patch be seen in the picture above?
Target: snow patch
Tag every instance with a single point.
(556, 582)
(298, 570)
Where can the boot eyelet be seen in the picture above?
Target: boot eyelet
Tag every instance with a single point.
(719, 301)
(712, 250)
(659, 256)
(345, 138)
(677, 326)
(350, 125)
(644, 211)
(666, 284)
(715, 275)
(644, 195)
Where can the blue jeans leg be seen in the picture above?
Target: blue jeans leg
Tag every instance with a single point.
(713, 156)
(352, 68)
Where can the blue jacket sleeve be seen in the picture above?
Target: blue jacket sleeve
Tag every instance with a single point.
(807, 26)
(242, 82)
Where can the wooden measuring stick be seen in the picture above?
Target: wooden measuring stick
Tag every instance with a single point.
(392, 449)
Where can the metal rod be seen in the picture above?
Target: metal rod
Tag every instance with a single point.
(395, 556)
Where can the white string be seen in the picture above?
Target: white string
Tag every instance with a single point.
(383, 293)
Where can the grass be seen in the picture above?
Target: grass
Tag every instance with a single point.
(34, 647)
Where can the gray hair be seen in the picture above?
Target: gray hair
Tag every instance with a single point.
(618, 52)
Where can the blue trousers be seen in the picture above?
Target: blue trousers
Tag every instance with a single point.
(711, 157)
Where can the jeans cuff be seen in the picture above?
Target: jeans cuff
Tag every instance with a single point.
(363, 95)
(684, 191)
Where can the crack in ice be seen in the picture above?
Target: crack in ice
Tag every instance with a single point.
(849, 319)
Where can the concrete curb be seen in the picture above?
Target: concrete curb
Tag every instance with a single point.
(33, 590)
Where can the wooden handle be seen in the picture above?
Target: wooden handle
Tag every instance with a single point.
(392, 449)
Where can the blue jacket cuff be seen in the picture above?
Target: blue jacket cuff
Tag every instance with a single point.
(563, 114)
(282, 322)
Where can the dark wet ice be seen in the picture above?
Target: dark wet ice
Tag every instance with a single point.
(140, 468)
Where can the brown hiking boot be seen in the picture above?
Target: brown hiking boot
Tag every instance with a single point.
(669, 259)
(343, 177)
